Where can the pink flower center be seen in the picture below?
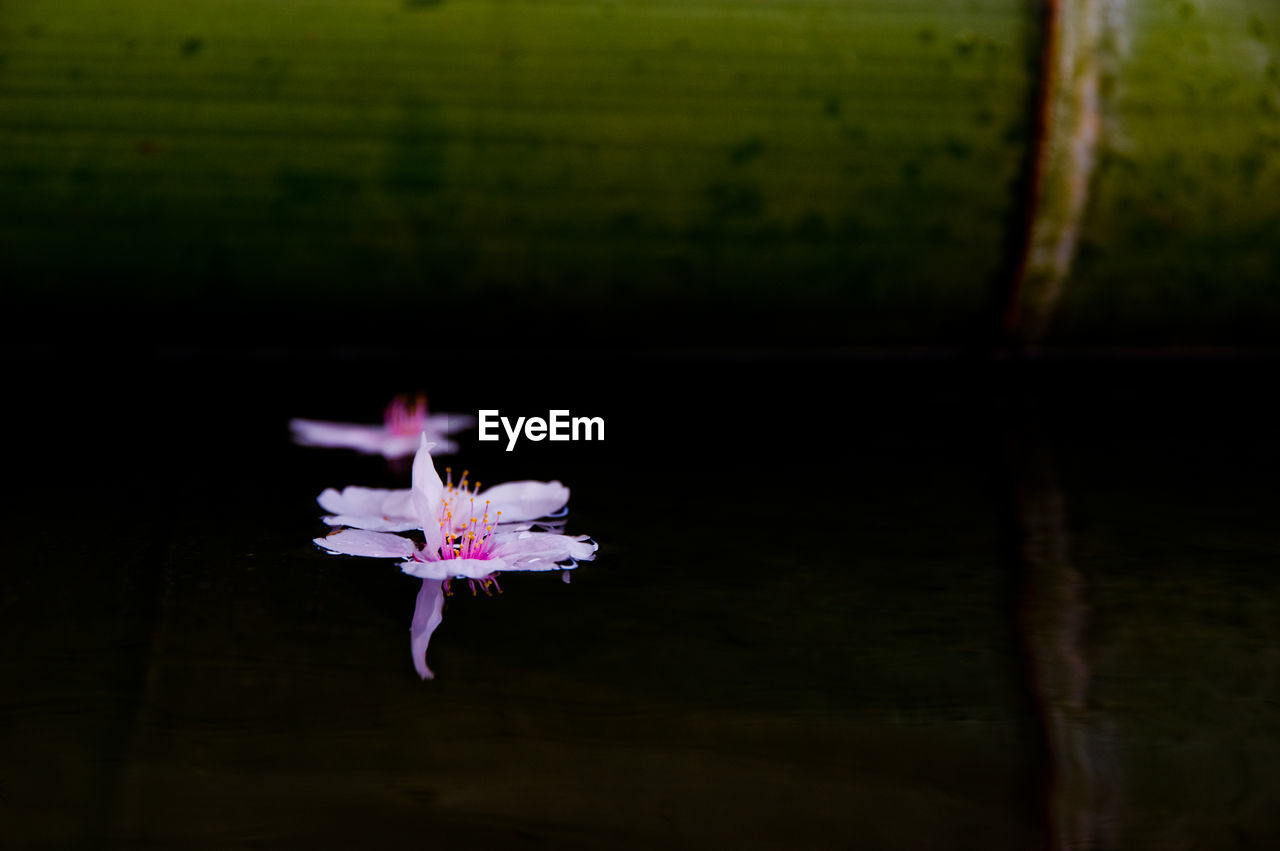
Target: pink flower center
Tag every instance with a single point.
(466, 526)
(467, 531)
(406, 417)
(468, 537)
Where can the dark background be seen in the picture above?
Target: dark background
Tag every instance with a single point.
(1034, 597)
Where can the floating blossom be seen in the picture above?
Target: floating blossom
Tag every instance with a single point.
(382, 510)
(463, 539)
(404, 422)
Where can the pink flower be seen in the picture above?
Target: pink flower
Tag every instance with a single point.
(383, 510)
(462, 539)
(405, 421)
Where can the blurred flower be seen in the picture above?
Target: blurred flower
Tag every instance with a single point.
(462, 540)
(404, 423)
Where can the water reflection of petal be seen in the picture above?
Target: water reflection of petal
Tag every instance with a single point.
(1080, 776)
(427, 615)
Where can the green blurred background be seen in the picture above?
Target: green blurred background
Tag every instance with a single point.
(765, 171)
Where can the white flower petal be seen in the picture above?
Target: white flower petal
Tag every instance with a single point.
(469, 568)
(427, 493)
(396, 510)
(375, 509)
(359, 542)
(362, 438)
(444, 446)
(398, 445)
(358, 500)
(542, 550)
(525, 500)
(371, 522)
(449, 424)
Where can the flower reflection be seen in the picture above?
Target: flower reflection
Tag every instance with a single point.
(404, 422)
(1079, 783)
(462, 539)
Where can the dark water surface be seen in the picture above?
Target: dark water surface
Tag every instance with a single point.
(840, 602)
